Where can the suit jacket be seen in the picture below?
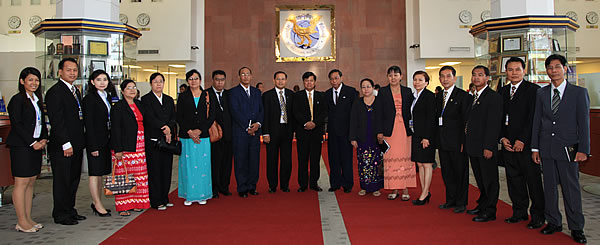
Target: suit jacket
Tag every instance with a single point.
(358, 120)
(570, 126)
(124, 126)
(338, 118)
(158, 115)
(23, 120)
(245, 109)
(95, 117)
(273, 112)
(520, 112)
(193, 116)
(223, 112)
(423, 116)
(484, 123)
(389, 109)
(451, 135)
(302, 112)
(63, 113)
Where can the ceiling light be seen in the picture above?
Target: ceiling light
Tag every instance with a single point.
(177, 66)
(432, 67)
(575, 62)
(151, 70)
(132, 66)
(450, 63)
(170, 73)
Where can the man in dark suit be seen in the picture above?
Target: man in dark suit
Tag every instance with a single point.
(66, 142)
(340, 98)
(278, 132)
(310, 111)
(247, 114)
(560, 140)
(523, 176)
(452, 105)
(481, 142)
(221, 151)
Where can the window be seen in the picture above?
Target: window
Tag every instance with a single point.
(15, 2)
(35, 2)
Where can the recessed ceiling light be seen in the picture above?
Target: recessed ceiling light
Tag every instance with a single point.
(432, 67)
(575, 62)
(132, 66)
(170, 73)
(151, 70)
(450, 63)
(177, 66)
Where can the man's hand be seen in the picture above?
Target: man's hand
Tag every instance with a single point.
(519, 145)
(95, 153)
(68, 152)
(506, 144)
(309, 125)
(38, 146)
(266, 139)
(354, 143)
(580, 157)
(535, 156)
(487, 154)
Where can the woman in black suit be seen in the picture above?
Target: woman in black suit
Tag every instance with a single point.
(27, 138)
(96, 116)
(159, 122)
(423, 126)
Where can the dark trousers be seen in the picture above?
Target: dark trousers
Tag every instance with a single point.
(340, 162)
(66, 172)
(279, 150)
(309, 149)
(221, 156)
(524, 181)
(486, 175)
(246, 158)
(455, 173)
(566, 174)
(160, 165)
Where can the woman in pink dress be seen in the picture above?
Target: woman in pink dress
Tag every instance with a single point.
(399, 170)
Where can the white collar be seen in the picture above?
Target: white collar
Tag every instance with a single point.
(70, 86)
(279, 90)
(450, 89)
(102, 94)
(309, 93)
(339, 89)
(517, 85)
(561, 87)
(217, 91)
(478, 93)
(34, 98)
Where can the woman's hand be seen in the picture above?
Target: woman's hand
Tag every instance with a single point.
(119, 155)
(166, 130)
(425, 143)
(195, 135)
(354, 143)
(95, 153)
(168, 138)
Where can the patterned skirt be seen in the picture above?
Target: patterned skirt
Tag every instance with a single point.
(370, 160)
(136, 165)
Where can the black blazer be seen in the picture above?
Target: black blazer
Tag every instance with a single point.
(95, 117)
(483, 123)
(22, 121)
(423, 116)
(223, 112)
(63, 113)
(389, 109)
(338, 117)
(302, 112)
(451, 135)
(158, 115)
(358, 120)
(190, 116)
(124, 126)
(520, 112)
(272, 110)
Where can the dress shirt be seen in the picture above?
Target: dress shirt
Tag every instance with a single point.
(311, 95)
(561, 90)
(336, 92)
(68, 145)
(158, 97)
(447, 96)
(38, 115)
(281, 102)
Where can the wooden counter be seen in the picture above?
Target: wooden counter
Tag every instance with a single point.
(592, 165)
(6, 177)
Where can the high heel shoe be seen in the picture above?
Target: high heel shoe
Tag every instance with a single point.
(98, 213)
(422, 202)
(19, 229)
(38, 226)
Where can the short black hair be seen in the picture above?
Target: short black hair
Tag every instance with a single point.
(395, 69)
(376, 86)
(332, 71)
(191, 73)
(156, 74)
(244, 67)
(23, 75)
(422, 73)
(447, 68)
(258, 84)
(308, 74)
(61, 64)
(485, 69)
(368, 80)
(183, 86)
(218, 72)
(515, 59)
(438, 88)
(562, 59)
(125, 82)
(279, 72)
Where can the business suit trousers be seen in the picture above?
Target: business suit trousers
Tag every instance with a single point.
(486, 175)
(221, 156)
(455, 173)
(524, 181)
(566, 174)
(309, 149)
(160, 165)
(246, 158)
(339, 152)
(66, 172)
(279, 150)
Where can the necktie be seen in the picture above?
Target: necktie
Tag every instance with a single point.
(475, 97)
(512, 91)
(555, 101)
(248, 92)
(337, 96)
(283, 107)
(220, 99)
(310, 105)
(444, 99)
(74, 91)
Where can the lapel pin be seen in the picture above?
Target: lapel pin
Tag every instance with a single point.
(451, 100)
(343, 97)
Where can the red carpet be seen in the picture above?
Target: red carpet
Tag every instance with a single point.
(290, 218)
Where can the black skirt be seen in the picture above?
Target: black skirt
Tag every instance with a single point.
(25, 161)
(100, 165)
(418, 154)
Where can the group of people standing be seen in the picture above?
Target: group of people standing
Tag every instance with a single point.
(394, 132)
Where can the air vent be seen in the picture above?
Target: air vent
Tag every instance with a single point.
(466, 49)
(148, 51)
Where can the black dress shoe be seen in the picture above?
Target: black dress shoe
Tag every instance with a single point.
(484, 218)
(316, 188)
(578, 236)
(226, 193)
(67, 222)
(459, 209)
(302, 189)
(446, 206)
(272, 190)
(550, 229)
(243, 194)
(514, 219)
(331, 189)
(474, 211)
(285, 189)
(215, 195)
(253, 192)
(79, 217)
(347, 190)
(535, 224)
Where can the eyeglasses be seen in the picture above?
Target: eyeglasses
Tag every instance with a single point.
(245, 74)
(131, 88)
(194, 78)
(219, 79)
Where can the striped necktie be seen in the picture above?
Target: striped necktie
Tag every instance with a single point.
(555, 101)
(283, 107)
(513, 89)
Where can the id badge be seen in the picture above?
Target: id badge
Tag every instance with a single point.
(80, 115)
(440, 122)
(410, 123)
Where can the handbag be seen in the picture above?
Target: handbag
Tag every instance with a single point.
(119, 184)
(215, 131)
(174, 147)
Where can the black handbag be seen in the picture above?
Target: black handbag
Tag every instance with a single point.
(173, 148)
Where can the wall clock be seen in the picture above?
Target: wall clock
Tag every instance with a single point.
(14, 22)
(123, 18)
(465, 16)
(143, 19)
(592, 17)
(34, 20)
(572, 15)
(485, 15)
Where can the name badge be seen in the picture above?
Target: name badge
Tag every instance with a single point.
(410, 123)
(440, 122)
(80, 115)
(506, 123)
